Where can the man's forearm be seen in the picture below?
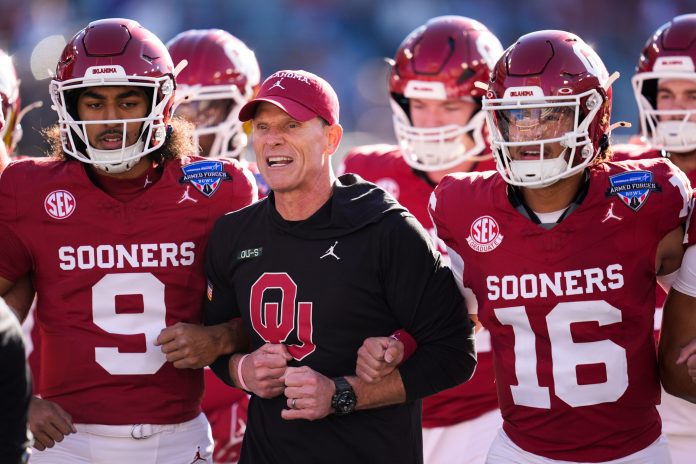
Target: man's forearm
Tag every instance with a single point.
(678, 330)
(19, 297)
(230, 337)
(388, 391)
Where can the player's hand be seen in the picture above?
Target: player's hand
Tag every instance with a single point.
(687, 356)
(378, 357)
(49, 423)
(190, 346)
(309, 394)
(264, 370)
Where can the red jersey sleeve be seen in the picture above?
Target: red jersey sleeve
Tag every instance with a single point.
(15, 260)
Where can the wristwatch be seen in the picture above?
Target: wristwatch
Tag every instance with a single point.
(344, 400)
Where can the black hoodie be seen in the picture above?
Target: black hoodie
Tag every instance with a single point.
(360, 266)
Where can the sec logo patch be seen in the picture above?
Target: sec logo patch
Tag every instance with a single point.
(484, 235)
(60, 204)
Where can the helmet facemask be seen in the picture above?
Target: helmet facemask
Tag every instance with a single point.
(73, 131)
(438, 148)
(553, 131)
(193, 102)
(669, 130)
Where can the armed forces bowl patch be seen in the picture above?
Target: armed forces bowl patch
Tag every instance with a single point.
(484, 235)
(632, 188)
(205, 176)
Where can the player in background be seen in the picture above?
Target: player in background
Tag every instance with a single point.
(99, 229)
(10, 135)
(560, 250)
(440, 129)
(11, 106)
(665, 89)
(221, 75)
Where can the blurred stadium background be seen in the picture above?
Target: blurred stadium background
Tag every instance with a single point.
(344, 41)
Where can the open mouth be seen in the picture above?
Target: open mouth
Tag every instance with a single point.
(111, 141)
(532, 153)
(278, 161)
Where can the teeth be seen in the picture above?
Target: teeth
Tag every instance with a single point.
(278, 160)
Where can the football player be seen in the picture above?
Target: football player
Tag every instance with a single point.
(665, 89)
(440, 129)
(111, 230)
(10, 101)
(11, 133)
(559, 252)
(222, 75)
(10, 130)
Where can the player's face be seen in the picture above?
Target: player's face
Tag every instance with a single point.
(112, 104)
(292, 156)
(436, 113)
(204, 114)
(532, 124)
(676, 94)
(427, 113)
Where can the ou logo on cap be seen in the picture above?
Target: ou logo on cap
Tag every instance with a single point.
(60, 204)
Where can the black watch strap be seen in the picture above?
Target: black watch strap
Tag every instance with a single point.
(344, 400)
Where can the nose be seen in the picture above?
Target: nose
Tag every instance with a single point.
(271, 136)
(677, 104)
(111, 113)
(432, 117)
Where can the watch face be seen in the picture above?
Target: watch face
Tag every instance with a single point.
(345, 403)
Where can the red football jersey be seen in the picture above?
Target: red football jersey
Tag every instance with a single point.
(384, 166)
(32, 347)
(110, 275)
(570, 309)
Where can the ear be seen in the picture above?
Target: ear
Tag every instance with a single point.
(334, 134)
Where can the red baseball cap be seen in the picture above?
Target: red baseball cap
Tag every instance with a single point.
(301, 94)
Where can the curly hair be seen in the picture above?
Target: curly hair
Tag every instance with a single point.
(178, 144)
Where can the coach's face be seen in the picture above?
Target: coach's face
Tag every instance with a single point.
(292, 155)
